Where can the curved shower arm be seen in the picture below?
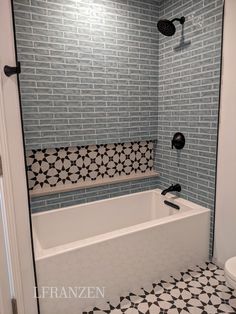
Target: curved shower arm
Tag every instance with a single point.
(181, 20)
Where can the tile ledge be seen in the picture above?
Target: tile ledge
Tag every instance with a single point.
(88, 184)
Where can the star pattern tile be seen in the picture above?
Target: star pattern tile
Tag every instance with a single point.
(56, 166)
(200, 290)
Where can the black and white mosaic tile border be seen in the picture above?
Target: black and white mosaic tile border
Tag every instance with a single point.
(54, 167)
(200, 290)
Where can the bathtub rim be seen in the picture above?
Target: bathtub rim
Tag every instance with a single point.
(194, 209)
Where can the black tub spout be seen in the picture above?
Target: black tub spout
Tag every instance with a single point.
(172, 188)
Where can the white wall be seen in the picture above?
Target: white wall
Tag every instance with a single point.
(225, 232)
(5, 291)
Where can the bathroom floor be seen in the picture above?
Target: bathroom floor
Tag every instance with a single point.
(201, 289)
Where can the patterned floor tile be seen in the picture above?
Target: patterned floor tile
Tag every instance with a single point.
(200, 290)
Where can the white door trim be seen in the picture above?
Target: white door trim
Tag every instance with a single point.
(225, 231)
(14, 175)
(5, 292)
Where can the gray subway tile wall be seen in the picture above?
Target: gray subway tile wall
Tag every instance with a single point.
(87, 81)
(60, 200)
(89, 71)
(97, 73)
(189, 80)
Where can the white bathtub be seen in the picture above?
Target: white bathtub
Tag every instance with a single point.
(121, 244)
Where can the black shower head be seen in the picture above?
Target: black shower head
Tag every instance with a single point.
(167, 27)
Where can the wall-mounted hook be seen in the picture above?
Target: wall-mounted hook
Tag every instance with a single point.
(9, 71)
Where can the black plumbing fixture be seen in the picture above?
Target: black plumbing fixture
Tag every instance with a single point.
(172, 188)
(167, 27)
(175, 206)
(178, 141)
(9, 71)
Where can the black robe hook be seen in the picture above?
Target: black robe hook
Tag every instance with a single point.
(9, 71)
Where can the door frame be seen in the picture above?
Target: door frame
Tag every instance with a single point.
(225, 214)
(5, 290)
(15, 191)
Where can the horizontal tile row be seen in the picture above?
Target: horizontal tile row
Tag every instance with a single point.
(53, 167)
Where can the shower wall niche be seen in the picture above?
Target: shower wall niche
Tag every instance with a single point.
(69, 168)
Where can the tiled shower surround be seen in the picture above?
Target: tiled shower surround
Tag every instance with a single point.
(89, 71)
(98, 72)
(189, 80)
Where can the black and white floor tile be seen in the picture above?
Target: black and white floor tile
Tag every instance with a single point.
(200, 290)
